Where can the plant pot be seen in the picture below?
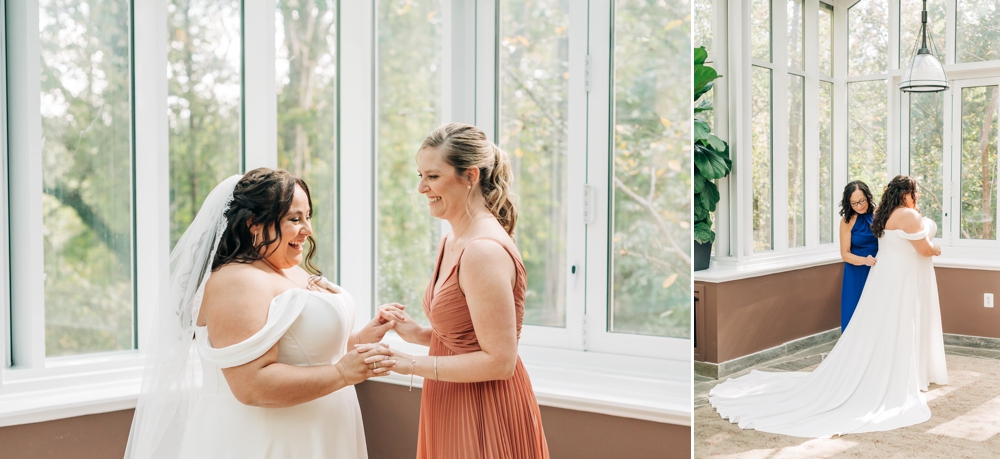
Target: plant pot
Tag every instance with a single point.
(702, 255)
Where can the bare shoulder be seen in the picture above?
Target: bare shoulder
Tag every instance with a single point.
(849, 223)
(236, 295)
(486, 256)
(906, 219)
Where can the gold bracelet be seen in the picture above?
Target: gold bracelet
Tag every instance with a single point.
(435, 368)
(414, 370)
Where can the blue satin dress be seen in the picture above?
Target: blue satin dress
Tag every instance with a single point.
(863, 243)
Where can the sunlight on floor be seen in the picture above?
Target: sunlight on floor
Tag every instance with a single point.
(980, 424)
(957, 379)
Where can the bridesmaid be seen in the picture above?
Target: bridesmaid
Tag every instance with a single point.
(477, 400)
(858, 246)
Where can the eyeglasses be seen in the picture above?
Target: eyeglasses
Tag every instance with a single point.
(858, 203)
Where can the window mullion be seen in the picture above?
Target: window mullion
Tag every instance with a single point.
(722, 221)
(811, 145)
(779, 125)
(356, 170)
(152, 193)
(487, 55)
(260, 103)
(25, 180)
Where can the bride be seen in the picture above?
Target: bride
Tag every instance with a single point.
(275, 360)
(873, 378)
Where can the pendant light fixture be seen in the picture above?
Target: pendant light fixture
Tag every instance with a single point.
(925, 73)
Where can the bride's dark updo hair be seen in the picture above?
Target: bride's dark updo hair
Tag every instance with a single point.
(263, 196)
(892, 198)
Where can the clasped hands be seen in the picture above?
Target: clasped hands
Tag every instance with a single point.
(372, 358)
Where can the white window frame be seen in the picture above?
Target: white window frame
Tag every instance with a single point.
(734, 257)
(624, 375)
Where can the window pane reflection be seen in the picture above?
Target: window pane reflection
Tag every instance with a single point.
(866, 134)
(86, 110)
(976, 33)
(651, 284)
(979, 162)
(826, 194)
(409, 107)
(796, 162)
(305, 41)
(926, 151)
(868, 30)
(203, 99)
(534, 130)
(761, 142)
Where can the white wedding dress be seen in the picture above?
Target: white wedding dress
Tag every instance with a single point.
(873, 378)
(311, 328)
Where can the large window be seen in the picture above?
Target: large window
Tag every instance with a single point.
(977, 37)
(306, 44)
(409, 53)
(651, 291)
(534, 130)
(87, 175)
(203, 96)
(868, 54)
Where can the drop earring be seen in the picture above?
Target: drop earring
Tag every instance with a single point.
(254, 243)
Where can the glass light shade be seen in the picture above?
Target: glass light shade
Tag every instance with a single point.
(925, 74)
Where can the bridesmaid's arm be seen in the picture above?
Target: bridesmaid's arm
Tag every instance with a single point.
(486, 277)
(845, 243)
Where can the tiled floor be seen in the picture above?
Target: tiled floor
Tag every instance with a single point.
(809, 358)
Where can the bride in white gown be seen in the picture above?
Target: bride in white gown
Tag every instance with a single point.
(892, 350)
(249, 355)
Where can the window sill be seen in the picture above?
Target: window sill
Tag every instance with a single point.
(617, 385)
(655, 390)
(728, 269)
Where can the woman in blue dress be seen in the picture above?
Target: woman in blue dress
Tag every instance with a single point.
(858, 246)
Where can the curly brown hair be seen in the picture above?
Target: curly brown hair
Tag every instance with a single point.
(893, 198)
(262, 196)
(846, 210)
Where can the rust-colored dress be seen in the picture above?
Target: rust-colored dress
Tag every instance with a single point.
(482, 420)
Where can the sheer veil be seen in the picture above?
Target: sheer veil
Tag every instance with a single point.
(172, 374)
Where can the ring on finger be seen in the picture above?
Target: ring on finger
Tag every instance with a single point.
(376, 365)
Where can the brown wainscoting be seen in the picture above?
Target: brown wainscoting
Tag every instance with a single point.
(391, 417)
(961, 293)
(95, 436)
(570, 434)
(745, 316)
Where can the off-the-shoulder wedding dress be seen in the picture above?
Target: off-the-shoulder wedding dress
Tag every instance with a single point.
(310, 328)
(873, 378)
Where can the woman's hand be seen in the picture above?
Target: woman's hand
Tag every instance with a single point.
(869, 260)
(365, 361)
(404, 362)
(374, 330)
(937, 250)
(405, 326)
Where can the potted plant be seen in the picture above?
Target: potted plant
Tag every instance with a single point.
(711, 161)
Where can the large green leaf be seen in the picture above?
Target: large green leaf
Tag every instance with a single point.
(709, 196)
(700, 213)
(703, 78)
(701, 130)
(700, 55)
(718, 145)
(703, 233)
(711, 164)
(699, 182)
(704, 106)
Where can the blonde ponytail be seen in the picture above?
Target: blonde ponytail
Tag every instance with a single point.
(496, 191)
(466, 146)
